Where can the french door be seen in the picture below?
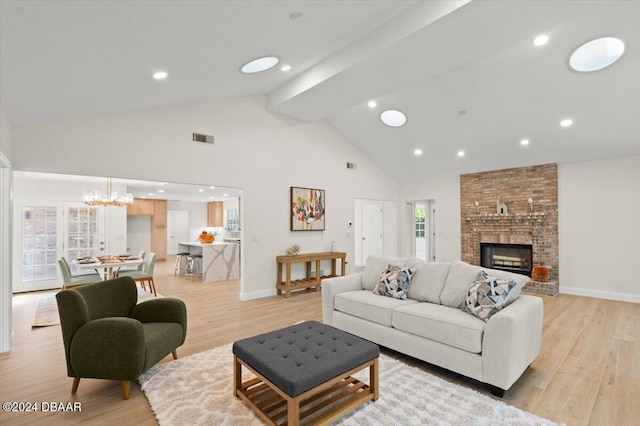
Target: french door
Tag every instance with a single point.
(44, 231)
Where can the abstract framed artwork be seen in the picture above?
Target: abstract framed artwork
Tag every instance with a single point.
(307, 209)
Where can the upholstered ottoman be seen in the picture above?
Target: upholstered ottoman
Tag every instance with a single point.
(304, 372)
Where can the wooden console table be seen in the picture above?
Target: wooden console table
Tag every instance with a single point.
(287, 285)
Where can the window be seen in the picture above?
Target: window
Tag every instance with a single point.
(420, 222)
(39, 243)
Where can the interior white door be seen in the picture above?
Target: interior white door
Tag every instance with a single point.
(372, 230)
(177, 229)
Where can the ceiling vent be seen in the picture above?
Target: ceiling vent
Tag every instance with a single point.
(351, 166)
(202, 138)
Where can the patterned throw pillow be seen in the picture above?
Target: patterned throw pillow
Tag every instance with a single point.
(488, 295)
(394, 281)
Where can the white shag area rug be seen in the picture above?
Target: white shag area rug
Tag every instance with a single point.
(198, 390)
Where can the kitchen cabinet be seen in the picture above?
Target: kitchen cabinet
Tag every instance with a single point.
(157, 209)
(215, 214)
(141, 207)
(159, 229)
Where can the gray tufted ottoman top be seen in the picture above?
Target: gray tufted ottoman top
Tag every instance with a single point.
(305, 355)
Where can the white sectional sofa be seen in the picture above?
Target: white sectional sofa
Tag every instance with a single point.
(430, 324)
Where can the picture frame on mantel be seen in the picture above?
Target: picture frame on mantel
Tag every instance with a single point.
(307, 209)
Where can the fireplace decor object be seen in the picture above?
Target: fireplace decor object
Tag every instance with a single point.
(540, 273)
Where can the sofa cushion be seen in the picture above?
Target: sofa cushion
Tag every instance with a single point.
(428, 281)
(394, 282)
(443, 324)
(489, 294)
(461, 277)
(376, 266)
(371, 307)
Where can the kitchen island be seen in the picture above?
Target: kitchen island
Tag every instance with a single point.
(220, 261)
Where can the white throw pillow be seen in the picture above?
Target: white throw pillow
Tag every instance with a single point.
(375, 266)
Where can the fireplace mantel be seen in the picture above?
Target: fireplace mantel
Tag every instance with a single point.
(533, 218)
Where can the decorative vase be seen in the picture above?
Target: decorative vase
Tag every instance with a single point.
(540, 273)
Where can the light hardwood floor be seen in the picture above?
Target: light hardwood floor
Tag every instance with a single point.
(588, 371)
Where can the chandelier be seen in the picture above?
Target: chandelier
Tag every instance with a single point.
(111, 198)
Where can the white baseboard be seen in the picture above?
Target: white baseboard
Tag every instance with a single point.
(624, 297)
(257, 294)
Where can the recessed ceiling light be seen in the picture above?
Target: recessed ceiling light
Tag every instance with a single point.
(460, 153)
(142, 196)
(200, 190)
(393, 118)
(224, 195)
(260, 64)
(160, 190)
(597, 54)
(160, 75)
(541, 40)
(417, 152)
(285, 68)
(372, 104)
(566, 122)
(151, 194)
(211, 198)
(524, 142)
(212, 187)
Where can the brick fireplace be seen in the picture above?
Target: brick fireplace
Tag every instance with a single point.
(495, 209)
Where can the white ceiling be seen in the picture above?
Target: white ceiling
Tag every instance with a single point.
(427, 59)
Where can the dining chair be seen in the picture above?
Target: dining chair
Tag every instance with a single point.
(80, 273)
(145, 275)
(141, 255)
(70, 281)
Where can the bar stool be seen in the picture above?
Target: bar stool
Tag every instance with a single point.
(182, 262)
(194, 266)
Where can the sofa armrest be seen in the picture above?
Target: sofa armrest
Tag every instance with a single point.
(108, 348)
(333, 286)
(511, 341)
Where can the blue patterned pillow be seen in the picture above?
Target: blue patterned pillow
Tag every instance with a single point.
(488, 295)
(394, 281)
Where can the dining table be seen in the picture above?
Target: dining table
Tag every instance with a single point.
(107, 266)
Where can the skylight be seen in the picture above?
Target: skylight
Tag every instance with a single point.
(260, 64)
(393, 118)
(597, 54)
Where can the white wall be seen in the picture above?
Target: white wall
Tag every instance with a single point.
(599, 228)
(262, 153)
(139, 233)
(197, 216)
(446, 195)
(6, 209)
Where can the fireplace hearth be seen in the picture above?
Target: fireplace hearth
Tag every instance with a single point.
(516, 258)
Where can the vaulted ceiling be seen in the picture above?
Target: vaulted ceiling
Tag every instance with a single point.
(466, 74)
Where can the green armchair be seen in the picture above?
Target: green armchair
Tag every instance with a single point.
(108, 336)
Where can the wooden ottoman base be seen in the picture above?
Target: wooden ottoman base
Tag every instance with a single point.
(337, 396)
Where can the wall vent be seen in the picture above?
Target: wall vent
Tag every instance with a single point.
(352, 166)
(199, 137)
